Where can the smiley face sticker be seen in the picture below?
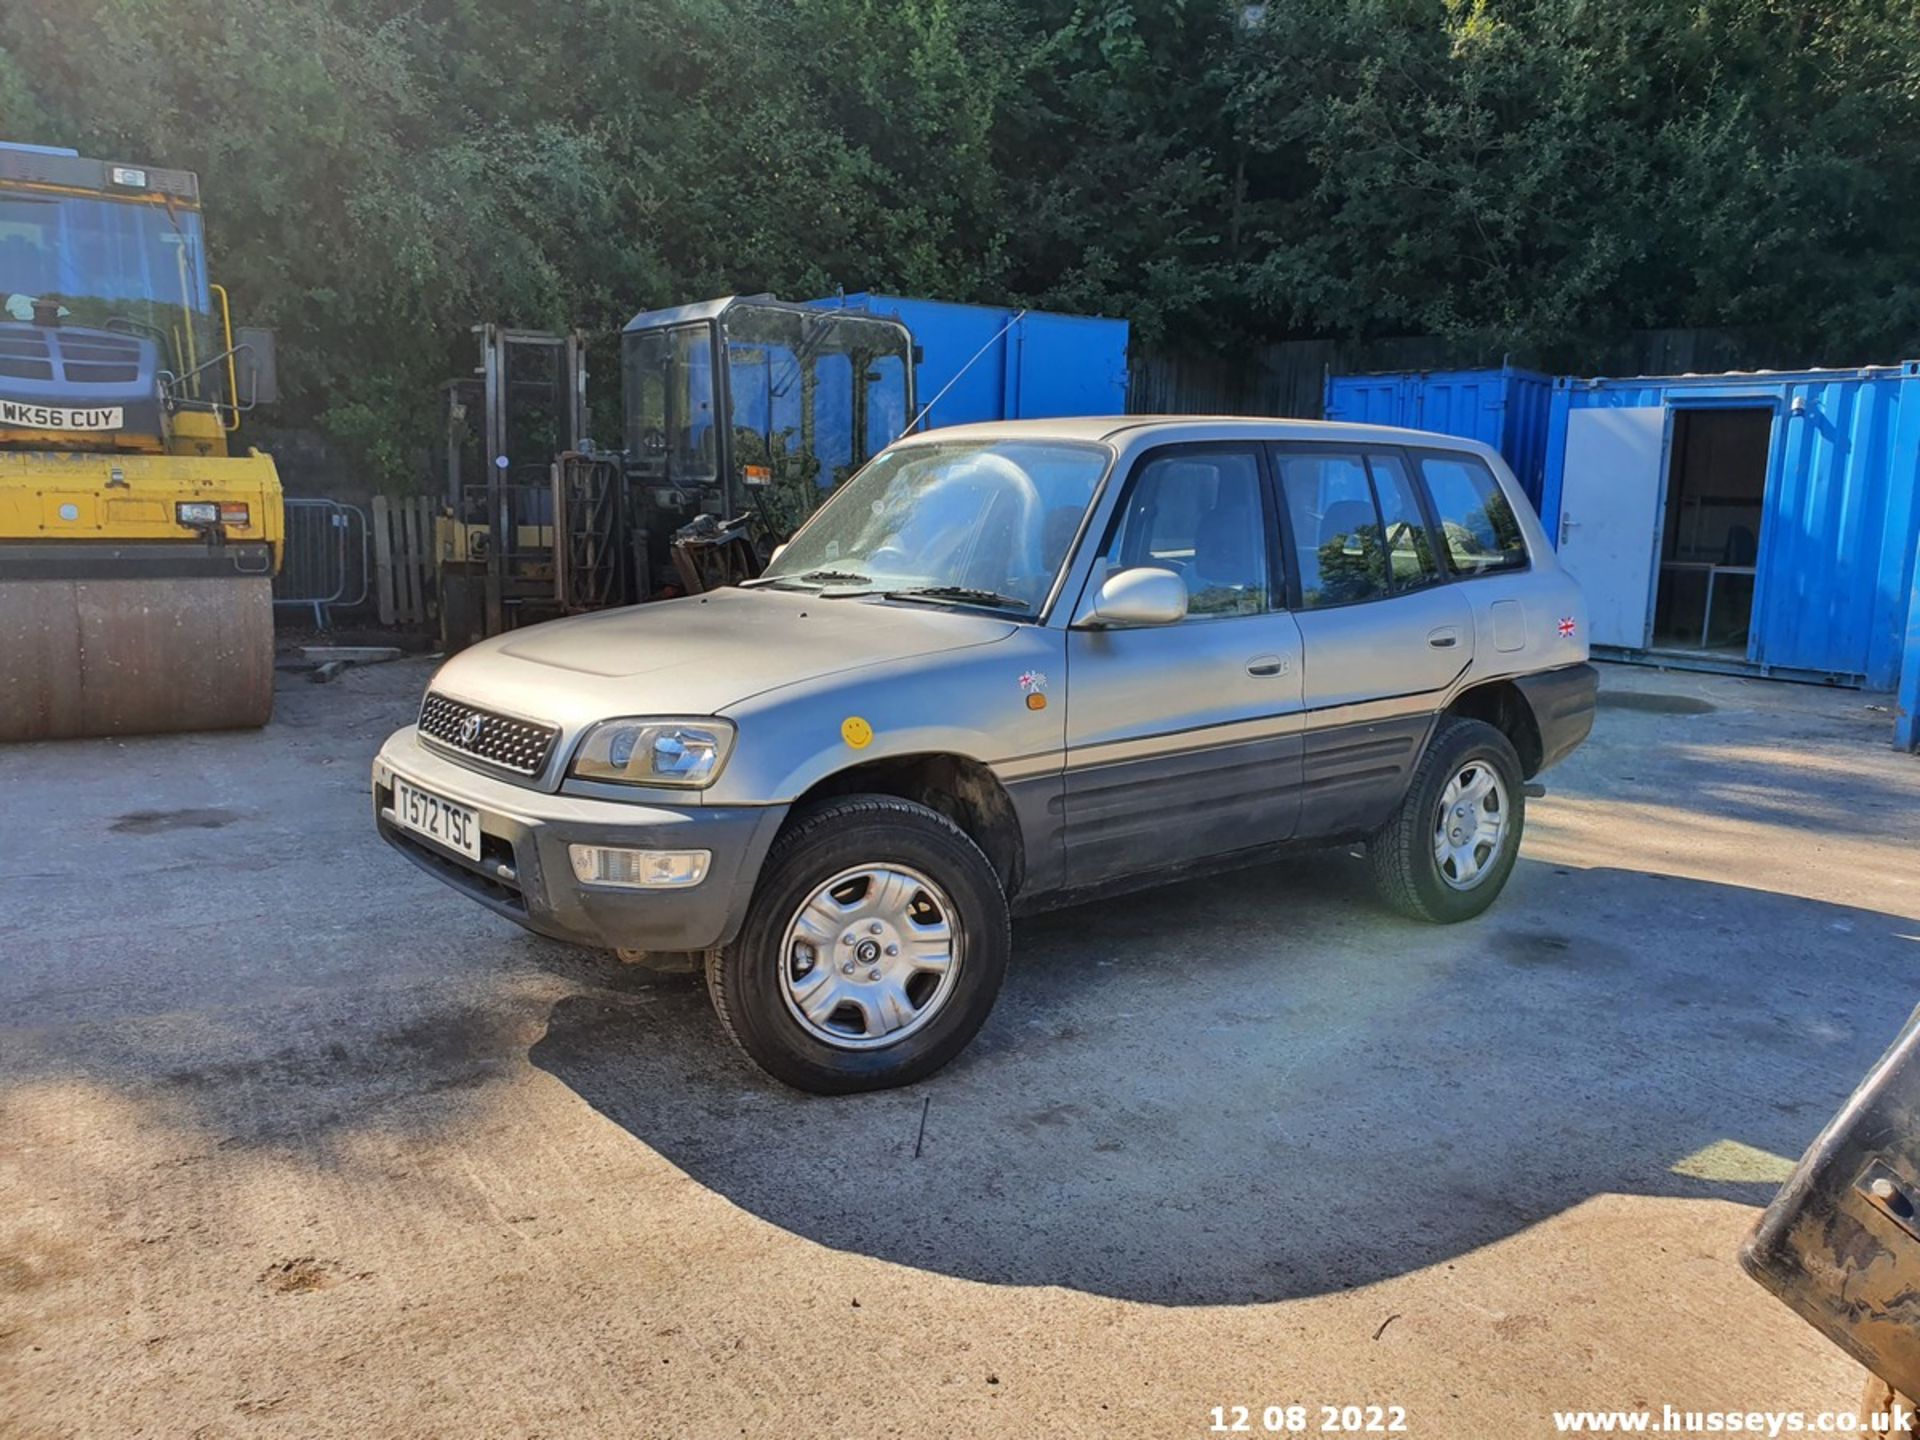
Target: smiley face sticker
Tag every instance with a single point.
(856, 732)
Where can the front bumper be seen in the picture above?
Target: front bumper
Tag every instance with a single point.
(524, 873)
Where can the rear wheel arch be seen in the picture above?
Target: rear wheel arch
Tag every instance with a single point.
(1406, 854)
(1504, 705)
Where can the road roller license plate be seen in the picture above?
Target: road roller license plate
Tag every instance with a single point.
(442, 821)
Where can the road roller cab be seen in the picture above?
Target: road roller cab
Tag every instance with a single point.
(137, 549)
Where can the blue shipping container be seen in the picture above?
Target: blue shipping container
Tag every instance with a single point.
(1832, 565)
(1041, 366)
(1504, 408)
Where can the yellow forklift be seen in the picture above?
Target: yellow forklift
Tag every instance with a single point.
(138, 542)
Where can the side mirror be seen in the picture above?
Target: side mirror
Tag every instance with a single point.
(1128, 599)
(260, 361)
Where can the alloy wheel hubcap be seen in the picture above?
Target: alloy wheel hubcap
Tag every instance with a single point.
(1472, 822)
(870, 957)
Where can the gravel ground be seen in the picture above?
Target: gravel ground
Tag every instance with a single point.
(298, 1142)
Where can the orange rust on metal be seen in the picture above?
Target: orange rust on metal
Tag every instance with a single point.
(135, 656)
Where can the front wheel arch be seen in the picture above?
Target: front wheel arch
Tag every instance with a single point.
(958, 787)
(747, 979)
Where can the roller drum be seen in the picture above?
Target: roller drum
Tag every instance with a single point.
(134, 655)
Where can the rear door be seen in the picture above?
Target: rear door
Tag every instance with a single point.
(1610, 517)
(1183, 741)
(1384, 631)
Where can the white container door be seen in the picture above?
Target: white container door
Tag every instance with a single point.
(1610, 517)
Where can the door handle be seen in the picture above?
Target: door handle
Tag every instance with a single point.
(1268, 665)
(1445, 638)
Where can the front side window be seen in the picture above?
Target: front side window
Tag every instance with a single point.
(1199, 515)
(972, 523)
(1337, 536)
(1476, 518)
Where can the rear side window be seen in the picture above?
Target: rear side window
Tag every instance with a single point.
(1337, 543)
(1409, 547)
(1477, 522)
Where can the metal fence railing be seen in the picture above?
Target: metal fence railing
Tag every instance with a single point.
(324, 562)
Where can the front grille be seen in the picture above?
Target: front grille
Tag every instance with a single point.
(99, 360)
(521, 746)
(24, 356)
(34, 352)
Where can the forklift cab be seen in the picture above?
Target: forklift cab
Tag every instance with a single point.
(749, 403)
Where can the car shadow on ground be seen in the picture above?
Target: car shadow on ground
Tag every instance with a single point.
(1258, 1086)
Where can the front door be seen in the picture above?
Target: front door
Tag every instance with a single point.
(1610, 517)
(1183, 741)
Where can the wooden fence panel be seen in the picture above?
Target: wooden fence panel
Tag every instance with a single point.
(383, 559)
(404, 565)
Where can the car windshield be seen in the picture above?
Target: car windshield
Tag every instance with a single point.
(982, 523)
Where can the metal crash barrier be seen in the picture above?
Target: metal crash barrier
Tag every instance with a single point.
(325, 557)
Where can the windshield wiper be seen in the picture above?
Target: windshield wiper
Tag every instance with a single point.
(959, 595)
(832, 577)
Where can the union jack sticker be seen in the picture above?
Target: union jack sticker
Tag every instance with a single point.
(1567, 627)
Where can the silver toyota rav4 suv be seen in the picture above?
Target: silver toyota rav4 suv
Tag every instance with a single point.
(1004, 667)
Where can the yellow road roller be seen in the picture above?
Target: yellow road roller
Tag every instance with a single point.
(138, 543)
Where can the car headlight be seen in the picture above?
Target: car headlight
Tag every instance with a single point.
(655, 752)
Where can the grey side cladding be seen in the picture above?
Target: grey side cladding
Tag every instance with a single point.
(1356, 774)
(1130, 816)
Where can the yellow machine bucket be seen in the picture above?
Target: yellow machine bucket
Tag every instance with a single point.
(127, 607)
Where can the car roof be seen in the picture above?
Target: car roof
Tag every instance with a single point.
(1169, 429)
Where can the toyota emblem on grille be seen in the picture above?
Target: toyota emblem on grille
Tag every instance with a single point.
(470, 729)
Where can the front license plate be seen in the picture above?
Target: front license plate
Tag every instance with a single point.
(442, 821)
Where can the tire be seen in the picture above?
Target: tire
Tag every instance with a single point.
(891, 848)
(1408, 871)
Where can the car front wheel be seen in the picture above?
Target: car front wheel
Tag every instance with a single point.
(872, 951)
(1448, 850)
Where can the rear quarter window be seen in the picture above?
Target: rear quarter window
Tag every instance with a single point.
(1480, 532)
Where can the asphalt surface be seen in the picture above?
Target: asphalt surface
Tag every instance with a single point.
(293, 1140)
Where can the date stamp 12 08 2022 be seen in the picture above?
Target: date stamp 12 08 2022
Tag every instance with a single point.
(1302, 1419)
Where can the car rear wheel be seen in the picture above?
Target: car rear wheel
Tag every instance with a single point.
(872, 951)
(1448, 850)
